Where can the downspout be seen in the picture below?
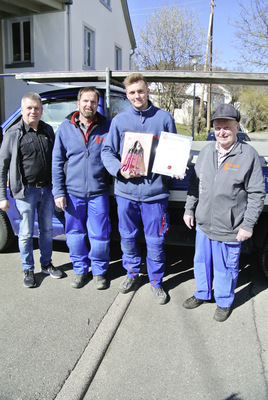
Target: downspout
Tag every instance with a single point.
(108, 93)
(68, 4)
(2, 91)
(130, 57)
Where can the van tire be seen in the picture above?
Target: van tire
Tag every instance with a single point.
(264, 259)
(6, 233)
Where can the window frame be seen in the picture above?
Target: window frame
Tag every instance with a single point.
(118, 58)
(11, 63)
(88, 30)
(107, 4)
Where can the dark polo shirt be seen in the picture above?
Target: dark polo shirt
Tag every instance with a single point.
(35, 153)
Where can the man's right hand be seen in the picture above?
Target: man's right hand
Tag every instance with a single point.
(4, 205)
(61, 203)
(189, 220)
(128, 174)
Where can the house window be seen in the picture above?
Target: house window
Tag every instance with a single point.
(107, 3)
(118, 58)
(89, 48)
(19, 42)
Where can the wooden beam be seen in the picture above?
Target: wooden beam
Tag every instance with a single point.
(13, 8)
(10, 8)
(28, 5)
(53, 4)
(258, 79)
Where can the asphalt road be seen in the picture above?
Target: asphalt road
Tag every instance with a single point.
(60, 343)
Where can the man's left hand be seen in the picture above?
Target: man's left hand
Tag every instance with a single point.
(129, 174)
(180, 177)
(243, 235)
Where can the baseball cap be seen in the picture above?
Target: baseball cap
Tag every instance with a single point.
(226, 111)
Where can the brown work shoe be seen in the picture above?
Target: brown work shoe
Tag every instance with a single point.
(222, 313)
(128, 284)
(192, 302)
(79, 280)
(159, 294)
(100, 282)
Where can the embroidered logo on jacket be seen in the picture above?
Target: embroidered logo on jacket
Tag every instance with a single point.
(99, 140)
(229, 165)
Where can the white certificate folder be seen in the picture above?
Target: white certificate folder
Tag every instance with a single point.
(172, 154)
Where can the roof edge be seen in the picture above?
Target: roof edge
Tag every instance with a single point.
(129, 24)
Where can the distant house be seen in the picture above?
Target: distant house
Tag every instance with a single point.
(219, 94)
(184, 113)
(60, 35)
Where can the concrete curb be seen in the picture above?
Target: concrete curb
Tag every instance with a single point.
(82, 375)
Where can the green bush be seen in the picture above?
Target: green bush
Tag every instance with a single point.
(187, 131)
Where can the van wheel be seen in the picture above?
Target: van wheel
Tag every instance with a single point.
(264, 259)
(6, 233)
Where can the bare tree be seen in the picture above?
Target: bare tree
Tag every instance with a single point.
(254, 104)
(252, 33)
(170, 35)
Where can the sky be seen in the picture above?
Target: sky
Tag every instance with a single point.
(225, 14)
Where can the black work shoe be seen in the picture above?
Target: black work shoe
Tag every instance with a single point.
(78, 281)
(192, 302)
(222, 313)
(159, 294)
(100, 282)
(29, 280)
(51, 270)
(128, 283)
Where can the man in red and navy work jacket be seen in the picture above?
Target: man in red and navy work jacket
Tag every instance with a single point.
(80, 188)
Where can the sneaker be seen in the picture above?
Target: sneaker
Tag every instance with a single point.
(222, 313)
(127, 284)
(51, 270)
(159, 294)
(78, 281)
(29, 280)
(192, 302)
(100, 282)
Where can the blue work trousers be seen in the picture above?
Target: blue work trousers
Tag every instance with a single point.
(154, 217)
(219, 260)
(38, 200)
(87, 226)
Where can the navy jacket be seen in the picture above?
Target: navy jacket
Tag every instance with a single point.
(152, 120)
(77, 168)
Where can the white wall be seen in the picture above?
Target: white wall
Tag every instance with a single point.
(110, 30)
(49, 54)
(50, 42)
(50, 49)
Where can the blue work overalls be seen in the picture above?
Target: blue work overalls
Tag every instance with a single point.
(219, 260)
(87, 220)
(153, 215)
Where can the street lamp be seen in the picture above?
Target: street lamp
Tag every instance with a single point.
(194, 58)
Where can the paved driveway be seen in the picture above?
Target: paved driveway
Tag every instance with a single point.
(55, 340)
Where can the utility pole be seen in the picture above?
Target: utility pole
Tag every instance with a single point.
(210, 40)
(195, 59)
(208, 55)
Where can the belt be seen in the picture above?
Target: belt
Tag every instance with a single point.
(38, 184)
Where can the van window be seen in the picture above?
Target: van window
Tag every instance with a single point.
(118, 104)
(57, 111)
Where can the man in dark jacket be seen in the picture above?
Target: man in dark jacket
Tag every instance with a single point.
(226, 196)
(80, 188)
(26, 152)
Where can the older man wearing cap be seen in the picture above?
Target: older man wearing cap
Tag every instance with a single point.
(226, 197)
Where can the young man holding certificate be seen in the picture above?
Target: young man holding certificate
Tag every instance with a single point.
(141, 198)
